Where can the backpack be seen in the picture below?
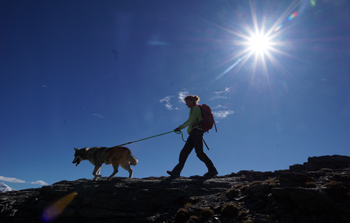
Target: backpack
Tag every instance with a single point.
(207, 121)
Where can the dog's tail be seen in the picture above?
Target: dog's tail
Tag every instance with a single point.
(132, 159)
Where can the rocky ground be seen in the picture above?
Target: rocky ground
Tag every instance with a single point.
(316, 191)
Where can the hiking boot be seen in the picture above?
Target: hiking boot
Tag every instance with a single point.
(211, 173)
(173, 174)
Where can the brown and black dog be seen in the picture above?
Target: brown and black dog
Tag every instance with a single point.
(116, 156)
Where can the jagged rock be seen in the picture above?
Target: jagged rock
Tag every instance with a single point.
(317, 163)
(297, 168)
(248, 196)
(331, 162)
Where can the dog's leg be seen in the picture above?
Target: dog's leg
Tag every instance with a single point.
(128, 168)
(96, 172)
(115, 171)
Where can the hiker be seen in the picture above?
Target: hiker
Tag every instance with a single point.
(194, 140)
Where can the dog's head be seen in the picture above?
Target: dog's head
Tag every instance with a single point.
(79, 155)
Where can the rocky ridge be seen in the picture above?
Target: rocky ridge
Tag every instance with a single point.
(295, 195)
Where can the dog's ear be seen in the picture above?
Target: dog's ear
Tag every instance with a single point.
(76, 149)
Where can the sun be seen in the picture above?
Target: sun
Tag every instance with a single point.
(259, 43)
(261, 40)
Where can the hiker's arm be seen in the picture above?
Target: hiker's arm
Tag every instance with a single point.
(196, 113)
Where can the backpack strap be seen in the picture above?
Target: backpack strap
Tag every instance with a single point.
(205, 144)
(197, 121)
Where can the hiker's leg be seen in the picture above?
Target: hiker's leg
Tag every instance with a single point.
(186, 150)
(198, 145)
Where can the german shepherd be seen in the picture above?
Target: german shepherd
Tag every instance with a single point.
(116, 156)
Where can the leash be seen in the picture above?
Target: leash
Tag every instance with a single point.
(153, 137)
(182, 135)
(179, 132)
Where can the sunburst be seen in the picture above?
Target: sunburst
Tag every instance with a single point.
(260, 43)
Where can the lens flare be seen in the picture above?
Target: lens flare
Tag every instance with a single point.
(277, 28)
(292, 16)
(53, 211)
(313, 2)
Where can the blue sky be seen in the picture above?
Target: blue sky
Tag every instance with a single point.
(103, 73)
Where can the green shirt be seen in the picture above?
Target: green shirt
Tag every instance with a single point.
(195, 115)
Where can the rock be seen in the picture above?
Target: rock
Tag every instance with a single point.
(297, 168)
(317, 163)
(320, 195)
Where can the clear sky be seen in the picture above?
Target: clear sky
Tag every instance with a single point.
(103, 73)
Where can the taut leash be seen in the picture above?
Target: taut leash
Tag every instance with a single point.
(153, 137)
(179, 132)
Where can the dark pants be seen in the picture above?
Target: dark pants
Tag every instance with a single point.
(195, 140)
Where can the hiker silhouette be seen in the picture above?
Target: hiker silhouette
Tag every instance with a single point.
(194, 140)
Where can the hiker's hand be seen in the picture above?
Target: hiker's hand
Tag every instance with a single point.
(177, 130)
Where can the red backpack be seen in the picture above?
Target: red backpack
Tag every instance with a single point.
(207, 121)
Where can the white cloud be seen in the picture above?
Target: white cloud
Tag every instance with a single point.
(157, 43)
(156, 40)
(98, 115)
(168, 105)
(220, 94)
(222, 114)
(182, 95)
(39, 182)
(15, 180)
(11, 180)
(219, 106)
(223, 92)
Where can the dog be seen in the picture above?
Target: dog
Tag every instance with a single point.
(116, 156)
